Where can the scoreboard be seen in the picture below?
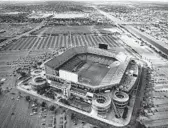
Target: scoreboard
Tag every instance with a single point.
(70, 76)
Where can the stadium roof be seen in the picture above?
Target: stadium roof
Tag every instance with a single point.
(60, 59)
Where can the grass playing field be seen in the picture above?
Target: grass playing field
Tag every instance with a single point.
(92, 73)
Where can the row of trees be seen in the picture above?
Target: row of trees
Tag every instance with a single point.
(43, 104)
(59, 22)
(24, 72)
(45, 90)
(19, 18)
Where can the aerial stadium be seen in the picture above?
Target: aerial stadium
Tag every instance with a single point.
(96, 84)
(95, 81)
(89, 68)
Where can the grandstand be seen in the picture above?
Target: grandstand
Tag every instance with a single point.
(130, 78)
(90, 68)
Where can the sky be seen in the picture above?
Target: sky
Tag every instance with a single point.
(85, 0)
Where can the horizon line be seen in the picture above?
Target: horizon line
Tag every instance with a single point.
(30, 1)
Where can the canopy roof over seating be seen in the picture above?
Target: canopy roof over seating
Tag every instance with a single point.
(60, 59)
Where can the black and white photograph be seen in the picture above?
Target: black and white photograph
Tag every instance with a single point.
(83, 63)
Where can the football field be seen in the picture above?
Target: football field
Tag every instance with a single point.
(92, 73)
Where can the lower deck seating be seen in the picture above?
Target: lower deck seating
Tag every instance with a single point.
(71, 64)
(82, 57)
(109, 76)
(128, 81)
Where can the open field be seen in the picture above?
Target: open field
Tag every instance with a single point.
(7, 57)
(64, 30)
(72, 30)
(13, 29)
(59, 41)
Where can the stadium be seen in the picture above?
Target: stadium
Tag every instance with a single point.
(93, 80)
(93, 69)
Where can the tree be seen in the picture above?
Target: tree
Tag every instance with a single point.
(56, 111)
(23, 74)
(27, 98)
(39, 63)
(1, 83)
(64, 101)
(34, 66)
(72, 116)
(35, 101)
(52, 108)
(43, 104)
(19, 93)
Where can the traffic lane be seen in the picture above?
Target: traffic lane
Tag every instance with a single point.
(163, 49)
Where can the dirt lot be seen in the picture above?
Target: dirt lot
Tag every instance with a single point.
(11, 30)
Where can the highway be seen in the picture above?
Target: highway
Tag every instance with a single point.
(137, 33)
(112, 18)
(147, 39)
